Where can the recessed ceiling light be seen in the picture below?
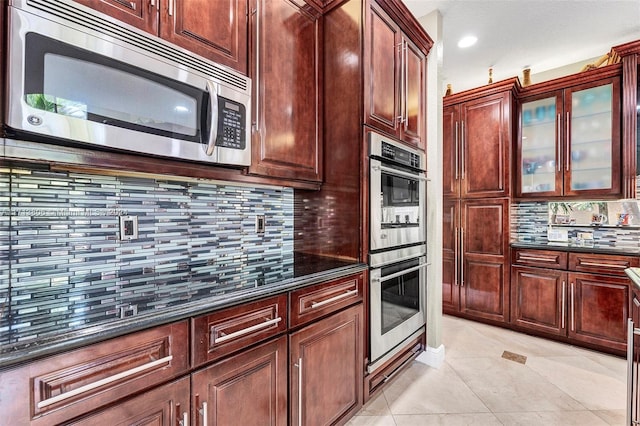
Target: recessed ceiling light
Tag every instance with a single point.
(467, 41)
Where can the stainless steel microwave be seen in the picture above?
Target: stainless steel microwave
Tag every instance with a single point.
(75, 76)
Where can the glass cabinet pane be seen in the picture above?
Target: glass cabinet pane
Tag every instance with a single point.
(591, 133)
(538, 150)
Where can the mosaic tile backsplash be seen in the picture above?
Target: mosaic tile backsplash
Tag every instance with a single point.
(64, 267)
(529, 222)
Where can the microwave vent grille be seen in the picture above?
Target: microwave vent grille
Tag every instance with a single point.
(148, 43)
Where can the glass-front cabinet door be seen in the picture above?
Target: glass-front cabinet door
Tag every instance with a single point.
(540, 156)
(570, 142)
(593, 160)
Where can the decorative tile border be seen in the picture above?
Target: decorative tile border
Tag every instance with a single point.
(63, 265)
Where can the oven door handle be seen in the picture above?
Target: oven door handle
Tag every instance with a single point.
(398, 274)
(397, 172)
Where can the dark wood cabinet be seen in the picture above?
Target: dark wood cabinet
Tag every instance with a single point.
(475, 258)
(549, 296)
(286, 71)
(477, 135)
(166, 405)
(255, 379)
(221, 333)
(538, 299)
(326, 369)
(477, 139)
(599, 309)
(216, 30)
(450, 254)
(570, 137)
(64, 387)
(484, 274)
(141, 14)
(395, 80)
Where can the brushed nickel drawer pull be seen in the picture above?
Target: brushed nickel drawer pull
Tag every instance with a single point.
(537, 259)
(205, 415)
(105, 381)
(564, 301)
(334, 298)
(603, 265)
(299, 365)
(247, 330)
(573, 309)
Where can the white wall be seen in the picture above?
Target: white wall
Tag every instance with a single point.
(435, 350)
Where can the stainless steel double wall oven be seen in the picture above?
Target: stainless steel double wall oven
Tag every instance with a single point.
(397, 248)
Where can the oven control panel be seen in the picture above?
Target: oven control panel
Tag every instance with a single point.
(400, 155)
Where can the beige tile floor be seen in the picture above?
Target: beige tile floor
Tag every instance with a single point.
(558, 384)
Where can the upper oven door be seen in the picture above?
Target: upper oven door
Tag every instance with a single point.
(73, 83)
(397, 201)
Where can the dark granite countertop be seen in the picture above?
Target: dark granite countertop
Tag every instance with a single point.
(168, 297)
(577, 247)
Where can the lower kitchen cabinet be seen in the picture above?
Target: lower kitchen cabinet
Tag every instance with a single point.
(475, 258)
(549, 297)
(599, 309)
(326, 369)
(538, 299)
(296, 357)
(246, 389)
(167, 405)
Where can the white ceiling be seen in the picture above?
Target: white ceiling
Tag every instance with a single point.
(516, 34)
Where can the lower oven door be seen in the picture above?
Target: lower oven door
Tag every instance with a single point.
(398, 300)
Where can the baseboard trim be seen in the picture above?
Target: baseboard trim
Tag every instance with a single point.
(433, 357)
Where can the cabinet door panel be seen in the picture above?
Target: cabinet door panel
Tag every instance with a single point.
(381, 76)
(451, 147)
(485, 150)
(326, 368)
(138, 13)
(450, 240)
(593, 152)
(286, 83)
(484, 274)
(163, 406)
(485, 292)
(216, 29)
(540, 154)
(259, 374)
(413, 96)
(484, 227)
(538, 299)
(599, 308)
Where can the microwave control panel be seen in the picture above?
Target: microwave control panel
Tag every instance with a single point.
(231, 124)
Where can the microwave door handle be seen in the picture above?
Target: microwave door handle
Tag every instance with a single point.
(213, 133)
(398, 274)
(400, 173)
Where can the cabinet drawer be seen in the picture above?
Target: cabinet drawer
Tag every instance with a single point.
(601, 263)
(310, 303)
(540, 258)
(229, 330)
(61, 387)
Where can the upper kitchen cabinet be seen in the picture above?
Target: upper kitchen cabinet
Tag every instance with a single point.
(286, 72)
(477, 135)
(395, 80)
(216, 30)
(630, 58)
(570, 137)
